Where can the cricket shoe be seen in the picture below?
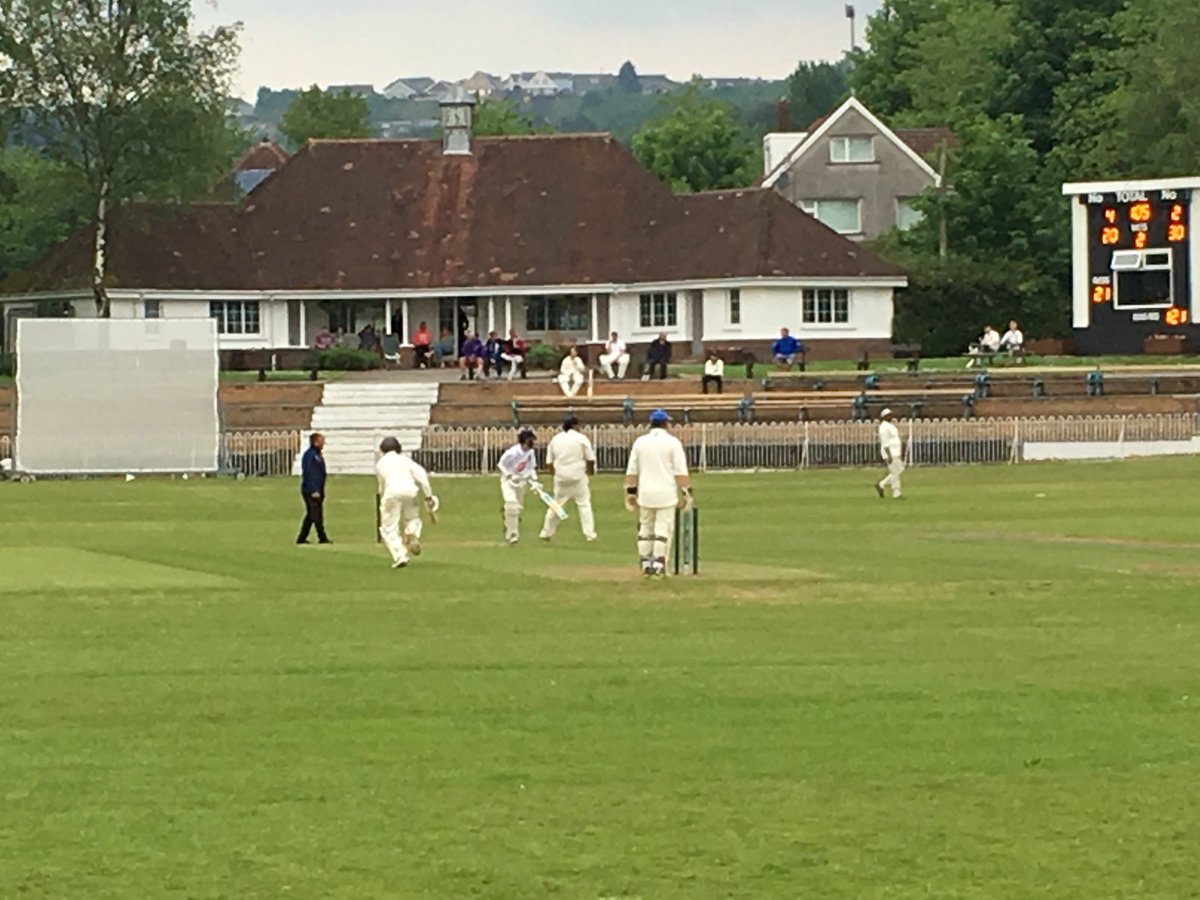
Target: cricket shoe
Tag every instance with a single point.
(879, 490)
(544, 537)
(512, 540)
(400, 564)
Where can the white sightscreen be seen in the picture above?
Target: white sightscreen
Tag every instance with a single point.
(117, 395)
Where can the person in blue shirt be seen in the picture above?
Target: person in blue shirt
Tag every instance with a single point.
(312, 489)
(786, 349)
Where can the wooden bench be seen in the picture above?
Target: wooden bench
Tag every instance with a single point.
(684, 404)
(738, 356)
(1010, 357)
(857, 402)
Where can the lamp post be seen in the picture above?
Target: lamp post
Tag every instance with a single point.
(850, 14)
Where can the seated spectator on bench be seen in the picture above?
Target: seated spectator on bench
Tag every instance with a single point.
(513, 354)
(422, 341)
(658, 357)
(616, 352)
(444, 351)
(470, 358)
(572, 373)
(987, 345)
(367, 338)
(714, 372)
(786, 349)
(493, 352)
(324, 340)
(1013, 340)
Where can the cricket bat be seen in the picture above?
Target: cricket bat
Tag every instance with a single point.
(554, 505)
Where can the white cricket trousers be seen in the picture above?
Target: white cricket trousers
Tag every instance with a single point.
(622, 361)
(656, 530)
(581, 493)
(895, 470)
(400, 524)
(514, 503)
(570, 384)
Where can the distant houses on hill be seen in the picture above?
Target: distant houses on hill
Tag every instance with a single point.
(530, 84)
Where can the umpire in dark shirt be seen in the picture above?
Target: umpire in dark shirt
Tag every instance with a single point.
(312, 489)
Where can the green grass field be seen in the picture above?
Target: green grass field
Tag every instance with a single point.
(978, 692)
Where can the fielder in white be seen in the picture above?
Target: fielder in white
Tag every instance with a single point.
(518, 470)
(656, 484)
(572, 373)
(616, 352)
(572, 459)
(892, 450)
(402, 482)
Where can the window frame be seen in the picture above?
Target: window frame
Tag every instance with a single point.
(813, 208)
(658, 310)
(733, 307)
(558, 313)
(151, 308)
(246, 311)
(827, 307)
(845, 141)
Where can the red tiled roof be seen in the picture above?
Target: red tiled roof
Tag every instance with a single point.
(524, 211)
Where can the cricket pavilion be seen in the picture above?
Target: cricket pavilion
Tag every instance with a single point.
(564, 238)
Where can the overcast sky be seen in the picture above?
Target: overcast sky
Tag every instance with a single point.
(375, 41)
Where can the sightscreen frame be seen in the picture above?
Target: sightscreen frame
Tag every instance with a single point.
(54, 439)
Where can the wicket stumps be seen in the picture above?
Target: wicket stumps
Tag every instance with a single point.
(687, 541)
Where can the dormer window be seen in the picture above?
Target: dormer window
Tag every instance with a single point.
(852, 150)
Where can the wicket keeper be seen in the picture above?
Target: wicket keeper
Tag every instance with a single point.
(402, 481)
(656, 484)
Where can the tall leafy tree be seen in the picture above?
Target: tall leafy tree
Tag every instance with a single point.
(627, 79)
(876, 69)
(697, 144)
(502, 117)
(816, 88)
(123, 92)
(41, 203)
(319, 114)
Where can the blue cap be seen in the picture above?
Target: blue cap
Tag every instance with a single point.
(659, 417)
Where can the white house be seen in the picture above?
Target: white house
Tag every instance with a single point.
(564, 238)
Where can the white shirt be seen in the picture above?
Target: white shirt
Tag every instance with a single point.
(517, 462)
(572, 365)
(1013, 338)
(715, 367)
(401, 476)
(615, 348)
(990, 340)
(570, 452)
(657, 458)
(889, 440)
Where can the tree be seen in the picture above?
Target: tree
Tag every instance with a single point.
(319, 114)
(697, 144)
(41, 203)
(116, 91)
(815, 89)
(501, 117)
(876, 71)
(627, 79)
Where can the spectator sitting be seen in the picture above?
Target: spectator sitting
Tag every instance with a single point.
(786, 349)
(714, 372)
(658, 355)
(615, 351)
(493, 351)
(514, 354)
(470, 358)
(367, 338)
(987, 345)
(572, 373)
(324, 340)
(445, 347)
(1013, 341)
(422, 342)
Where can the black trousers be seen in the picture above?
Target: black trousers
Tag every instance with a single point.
(651, 367)
(712, 379)
(314, 517)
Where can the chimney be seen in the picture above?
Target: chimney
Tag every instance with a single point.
(458, 119)
(785, 115)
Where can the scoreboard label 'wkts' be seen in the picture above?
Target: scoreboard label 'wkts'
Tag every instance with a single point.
(1138, 254)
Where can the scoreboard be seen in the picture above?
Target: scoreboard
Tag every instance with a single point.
(1134, 254)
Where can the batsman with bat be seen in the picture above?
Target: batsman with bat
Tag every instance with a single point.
(402, 482)
(518, 473)
(572, 459)
(656, 484)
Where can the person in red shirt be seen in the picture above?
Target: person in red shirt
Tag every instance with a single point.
(324, 340)
(422, 341)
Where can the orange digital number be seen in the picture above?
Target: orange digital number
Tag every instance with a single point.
(1140, 212)
(1102, 293)
(1110, 236)
(1140, 240)
(1177, 212)
(1110, 216)
(1176, 316)
(1176, 233)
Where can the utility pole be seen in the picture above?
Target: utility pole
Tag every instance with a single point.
(850, 14)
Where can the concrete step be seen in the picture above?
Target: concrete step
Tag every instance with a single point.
(366, 417)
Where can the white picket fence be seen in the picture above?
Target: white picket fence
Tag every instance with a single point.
(743, 446)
